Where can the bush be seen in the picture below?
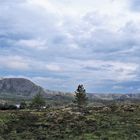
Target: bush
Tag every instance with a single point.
(7, 107)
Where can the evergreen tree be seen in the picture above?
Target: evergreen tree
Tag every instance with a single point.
(38, 101)
(23, 105)
(80, 97)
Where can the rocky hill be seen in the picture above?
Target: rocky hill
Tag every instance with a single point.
(11, 87)
(17, 88)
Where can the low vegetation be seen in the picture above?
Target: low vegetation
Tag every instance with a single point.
(101, 120)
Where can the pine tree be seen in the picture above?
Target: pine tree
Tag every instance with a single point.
(23, 105)
(80, 97)
(38, 101)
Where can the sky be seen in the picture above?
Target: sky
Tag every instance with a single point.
(59, 44)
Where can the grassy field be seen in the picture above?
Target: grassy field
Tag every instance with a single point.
(110, 122)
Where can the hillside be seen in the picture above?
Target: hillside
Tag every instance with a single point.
(18, 87)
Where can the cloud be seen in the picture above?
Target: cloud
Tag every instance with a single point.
(33, 44)
(63, 44)
(109, 69)
(53, 67)
(13, 62)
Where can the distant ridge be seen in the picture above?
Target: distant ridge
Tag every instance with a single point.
(111, 96)
(24, 88)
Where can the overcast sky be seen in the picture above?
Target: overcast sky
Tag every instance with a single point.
(62, 43)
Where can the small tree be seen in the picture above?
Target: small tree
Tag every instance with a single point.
(38, 101)
(23, 105)
(80, 97)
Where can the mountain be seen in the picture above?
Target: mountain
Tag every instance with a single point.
(24, 88)
(111, 96)
(18, 87)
